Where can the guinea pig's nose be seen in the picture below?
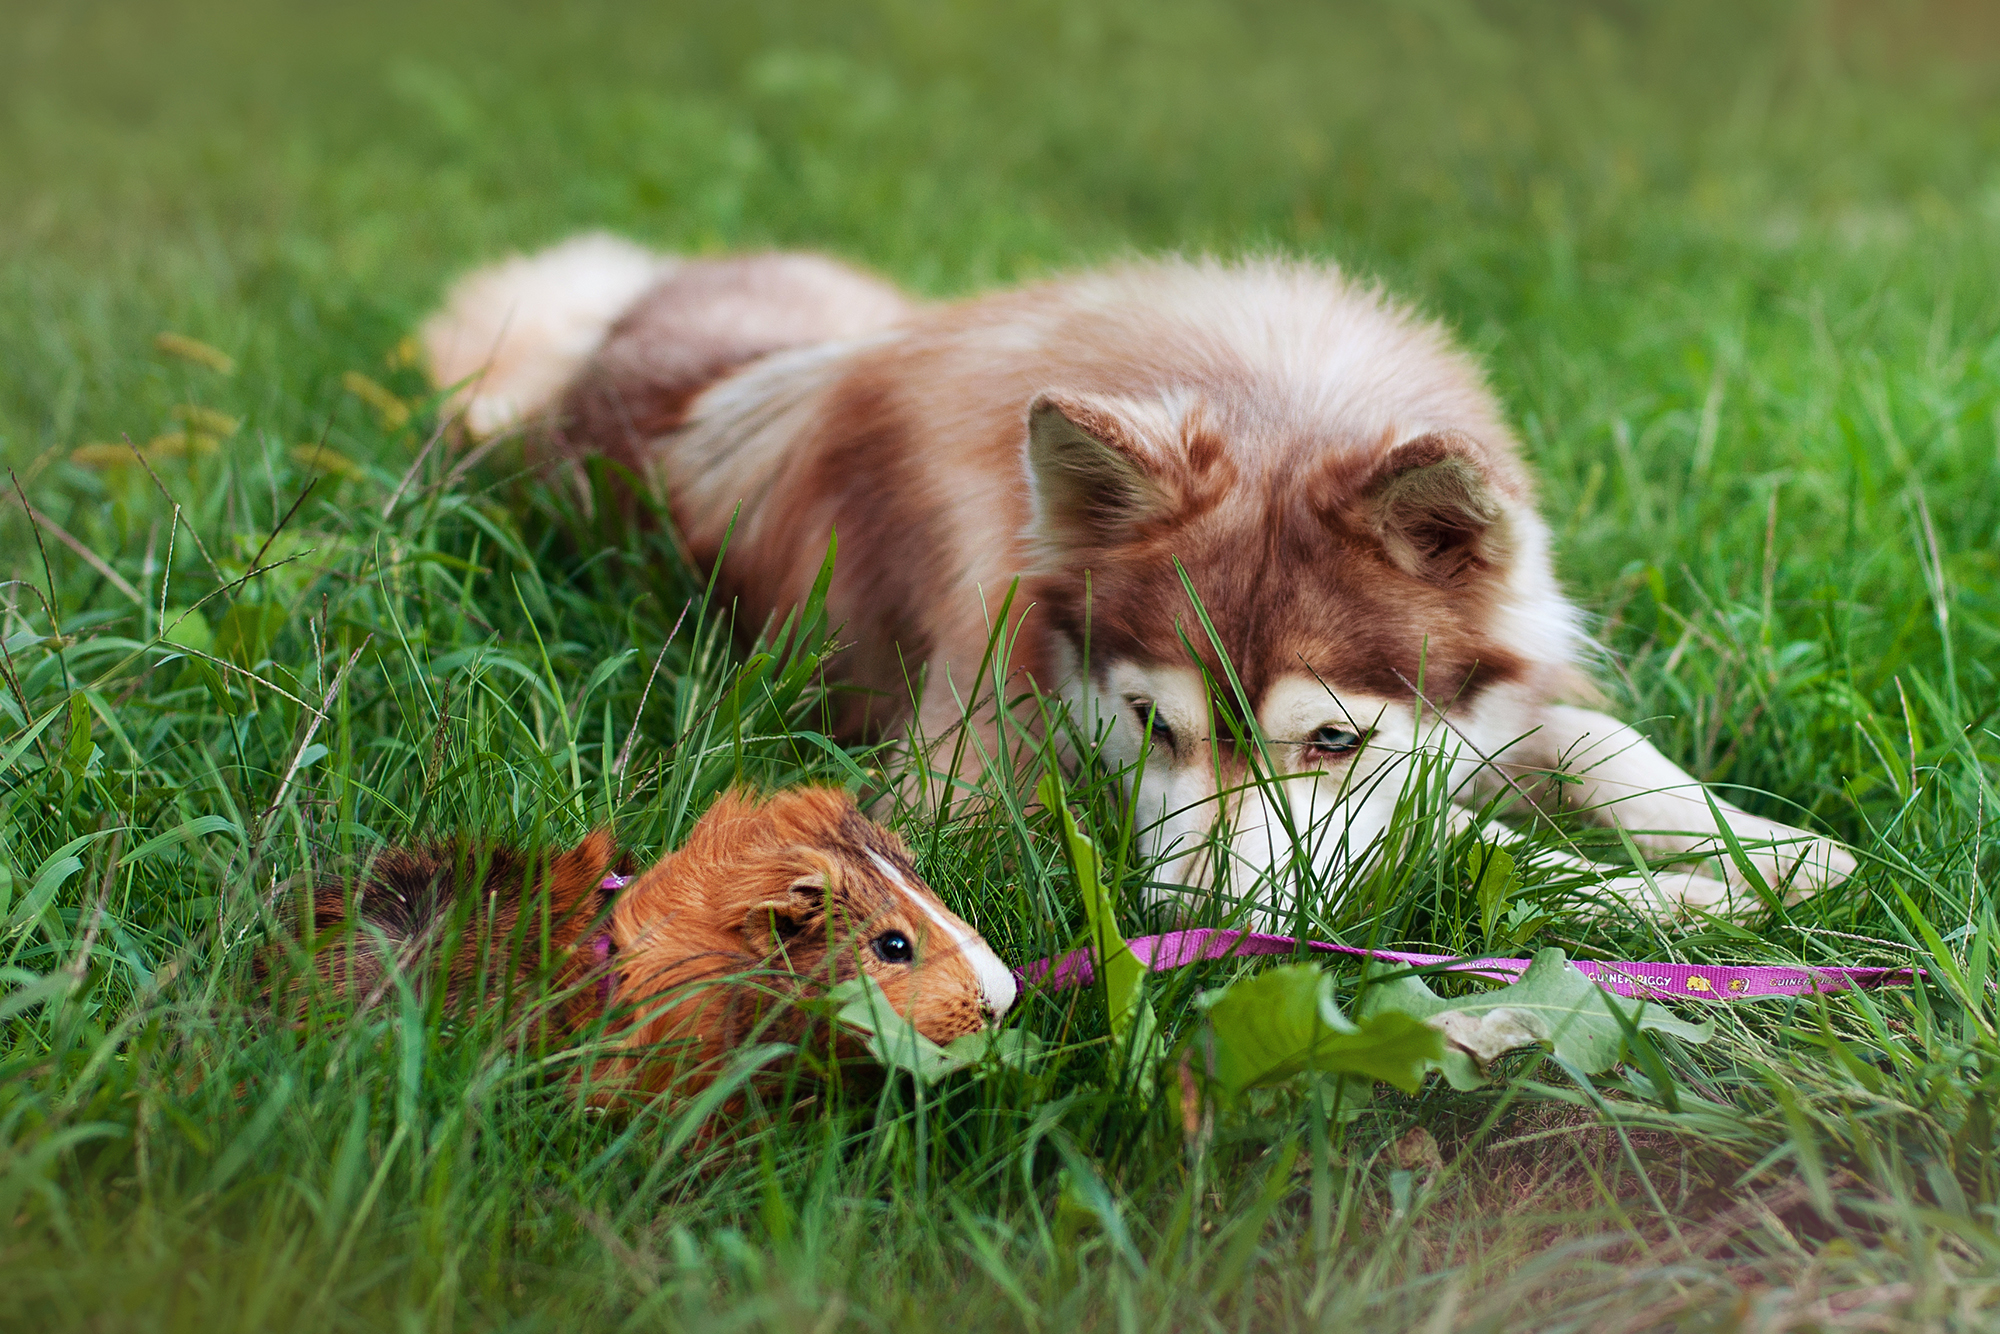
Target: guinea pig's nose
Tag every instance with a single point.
(993, 980)
(997, 990)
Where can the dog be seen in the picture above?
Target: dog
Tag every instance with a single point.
(769, 901)
(1320, 467)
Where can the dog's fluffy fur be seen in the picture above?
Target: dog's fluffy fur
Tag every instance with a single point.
(768, 900)
(1333, 476)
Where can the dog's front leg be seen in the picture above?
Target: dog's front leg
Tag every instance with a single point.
(1669, 891)
(1608, 771)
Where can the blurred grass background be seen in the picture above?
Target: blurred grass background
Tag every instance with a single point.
(1759, 237)
(1733, 268)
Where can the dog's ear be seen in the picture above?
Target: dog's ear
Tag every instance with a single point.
(1434, 508)
(1091, 477)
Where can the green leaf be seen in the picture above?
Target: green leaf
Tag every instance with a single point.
(855, 773)
(246, 630)
(1283, 1022)
(31, 994)
(895, 1044)
(198, 670)
(1553, 1005)
(50, 877)
(78, 749)
(25, 739)
(1086, 1201)
(1249, 1229)
(1119, 971)
(199, 827)
(189, 629)
(241, 1149)
(1490, 870)
(749, 677)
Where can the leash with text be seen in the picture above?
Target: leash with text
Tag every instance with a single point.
(1653, 981)
(1688, 981)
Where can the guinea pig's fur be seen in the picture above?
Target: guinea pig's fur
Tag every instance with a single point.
(770, 899)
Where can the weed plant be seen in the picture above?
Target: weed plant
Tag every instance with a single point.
(1734, 270)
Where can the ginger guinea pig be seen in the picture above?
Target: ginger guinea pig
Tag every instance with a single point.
(769, 899)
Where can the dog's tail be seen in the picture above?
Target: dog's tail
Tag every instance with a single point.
(612, 343)
(513, 334)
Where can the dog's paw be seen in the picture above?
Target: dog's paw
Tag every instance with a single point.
(1794, 863)
(1673, 893)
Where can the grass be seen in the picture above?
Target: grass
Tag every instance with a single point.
(1733, 268)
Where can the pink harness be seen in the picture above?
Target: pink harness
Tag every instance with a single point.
(1693, 981)
(601, 948)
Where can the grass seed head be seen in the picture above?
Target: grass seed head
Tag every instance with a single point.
(323, 458)
(391, 411)
(99, 455)
(206, 420)
(193, 349)
(405, 355)
(183, 445)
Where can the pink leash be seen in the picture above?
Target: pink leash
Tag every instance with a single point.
(1177, 949)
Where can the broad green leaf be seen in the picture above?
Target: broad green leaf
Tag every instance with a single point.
(50, 876)
(1553, 1005)
(1118, 969)
(77, 751)
(894, 1042)
(31, 994)
(1086, 1201)
(199, 670)
(1489, 868)
(246, 630)
(244, 1146)
(200, 826)
(1283, 1022)
(1248, 1230)
(26, 739)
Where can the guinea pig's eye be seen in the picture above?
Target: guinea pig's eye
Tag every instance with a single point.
(1157, 732)
(1331, 741)
(893, 947)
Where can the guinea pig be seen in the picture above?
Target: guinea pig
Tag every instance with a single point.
(770, 900)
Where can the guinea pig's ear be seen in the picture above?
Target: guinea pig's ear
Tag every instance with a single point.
(780, 917)
(574, 876)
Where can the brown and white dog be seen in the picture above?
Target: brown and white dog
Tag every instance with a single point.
(1335, 479)
(768, 900)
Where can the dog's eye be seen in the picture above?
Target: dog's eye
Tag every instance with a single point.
(1332, 741)
(893, 947)
(1157, 731)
